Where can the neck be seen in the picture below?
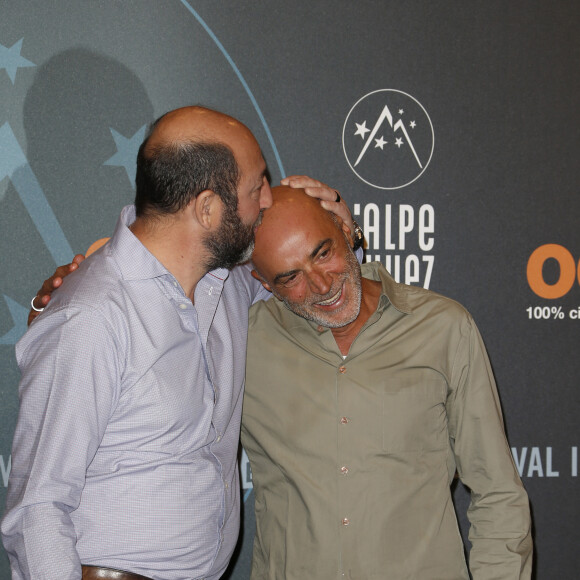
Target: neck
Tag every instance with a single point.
(345, 335)
(172, 244)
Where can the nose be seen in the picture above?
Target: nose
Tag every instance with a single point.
(265, 195)
(319, 281)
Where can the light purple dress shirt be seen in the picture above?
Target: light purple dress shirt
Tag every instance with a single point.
(125, 449)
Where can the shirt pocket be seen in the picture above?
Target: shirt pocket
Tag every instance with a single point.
(414, 418)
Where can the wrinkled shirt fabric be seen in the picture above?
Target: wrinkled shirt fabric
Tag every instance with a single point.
(352, 458)
(125, 451)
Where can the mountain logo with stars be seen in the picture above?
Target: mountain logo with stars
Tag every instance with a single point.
(388, 139)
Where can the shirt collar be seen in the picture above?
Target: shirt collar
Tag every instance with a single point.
(135, 261)
(393, 292)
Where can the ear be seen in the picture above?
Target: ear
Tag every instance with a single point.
(207, 207)
(348, 234)
(264, 283)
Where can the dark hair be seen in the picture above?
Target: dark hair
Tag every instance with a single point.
(169, 176)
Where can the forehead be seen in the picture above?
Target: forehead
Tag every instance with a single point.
(248, 155)
(290, 240)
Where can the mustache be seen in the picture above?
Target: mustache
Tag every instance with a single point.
(334, 290)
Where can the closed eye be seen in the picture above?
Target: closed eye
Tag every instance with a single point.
(288, 280)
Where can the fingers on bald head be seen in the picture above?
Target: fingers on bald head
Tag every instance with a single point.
(293, 204)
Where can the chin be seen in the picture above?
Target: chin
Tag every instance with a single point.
(247, 255)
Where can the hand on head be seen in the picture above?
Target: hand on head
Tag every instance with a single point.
(329, 198)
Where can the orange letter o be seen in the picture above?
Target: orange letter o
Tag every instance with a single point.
(567, 271)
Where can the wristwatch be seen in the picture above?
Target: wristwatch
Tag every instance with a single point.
(358, 236)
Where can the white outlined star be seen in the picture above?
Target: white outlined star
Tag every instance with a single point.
(412, 124)
(361, 129)
(127, 149)
(380, 143)
(11, 60)
(399, 142)
(401, 111)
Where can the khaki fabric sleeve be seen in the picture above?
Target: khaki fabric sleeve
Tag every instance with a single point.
(499, 514)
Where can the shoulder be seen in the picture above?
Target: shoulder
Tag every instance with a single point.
(416, 300)
(268, 311)
(241, 278)
(419, 298)
(83, 308)
(96, 279)
(66, 329)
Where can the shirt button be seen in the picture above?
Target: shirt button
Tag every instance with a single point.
(344, 420)
(227, 485)
(342, 370)
(345, 521)
(183, 306)
(344, 470)
(320, 328)
(219, 438)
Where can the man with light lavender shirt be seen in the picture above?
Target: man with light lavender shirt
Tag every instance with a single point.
(124, 456)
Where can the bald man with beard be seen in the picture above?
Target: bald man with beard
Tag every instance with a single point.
(124, 461)
(363, 399)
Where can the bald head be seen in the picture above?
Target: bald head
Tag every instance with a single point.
(291, 209)
(294, 218)
(195, 125)
(190, 150)
(304, 258)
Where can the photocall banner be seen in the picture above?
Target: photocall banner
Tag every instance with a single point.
(451, 128)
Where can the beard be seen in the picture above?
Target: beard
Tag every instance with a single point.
(232, 243)
(349, 281)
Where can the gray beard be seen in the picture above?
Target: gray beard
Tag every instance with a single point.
(352, 277)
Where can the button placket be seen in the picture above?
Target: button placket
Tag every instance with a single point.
(343, 421)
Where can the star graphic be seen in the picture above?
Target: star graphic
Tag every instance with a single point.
(380, 143)
(399, 142)
(412, 124)
(11, 60)
(361, 129)
(127, 149)
(401, 111)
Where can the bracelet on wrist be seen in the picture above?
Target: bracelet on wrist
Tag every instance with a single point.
(358, 236)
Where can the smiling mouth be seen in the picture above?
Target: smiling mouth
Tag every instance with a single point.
(331, 300)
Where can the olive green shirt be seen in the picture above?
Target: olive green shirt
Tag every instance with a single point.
(352, 459)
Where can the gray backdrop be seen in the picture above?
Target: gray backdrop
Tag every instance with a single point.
(450, 126)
